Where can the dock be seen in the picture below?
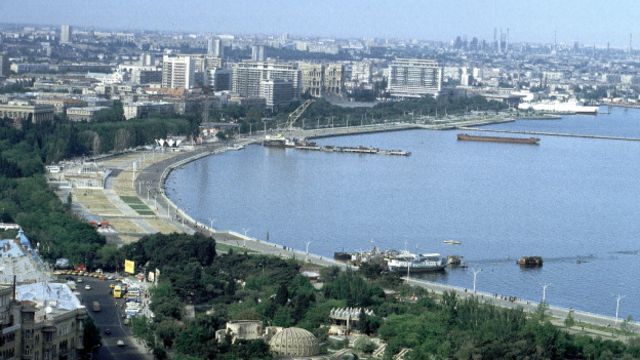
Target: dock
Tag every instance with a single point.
(546, 133)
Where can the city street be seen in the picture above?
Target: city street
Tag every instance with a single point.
(109, 317)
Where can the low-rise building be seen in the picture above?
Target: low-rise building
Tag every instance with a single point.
(83, 113)
(19, 111)
(143, 109)
(38, 319)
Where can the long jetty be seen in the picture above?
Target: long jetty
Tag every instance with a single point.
(547, 133)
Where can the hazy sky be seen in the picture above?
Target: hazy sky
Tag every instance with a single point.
(587, 21)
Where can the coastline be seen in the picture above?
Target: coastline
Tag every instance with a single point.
(161, 170)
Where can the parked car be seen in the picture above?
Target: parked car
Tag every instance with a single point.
(120, 343)
(87, 287)
(107, 332)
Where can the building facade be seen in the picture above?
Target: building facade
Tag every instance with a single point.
(411, 78)
(258, 53)
(19, 111)
(5, 68)
(276, 92)
(248, 75)
(178, 72)
(321, 79)
(65, 34)
(83, 113)
(142, 109)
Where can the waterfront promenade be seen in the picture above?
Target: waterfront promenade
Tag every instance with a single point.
(149, 182)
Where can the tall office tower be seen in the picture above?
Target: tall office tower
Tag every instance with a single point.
(65, 34)
(495, 39)
(4, 66)
(214, 47)
(414, 78)
(258, 53)
(178, 72)
(247, 75)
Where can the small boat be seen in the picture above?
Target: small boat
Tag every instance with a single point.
(454, 260)
(530, 261)
(452, 242)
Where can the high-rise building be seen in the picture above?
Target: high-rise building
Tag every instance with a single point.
(65, 34)
(220, 79)
(214, 47)
(4, 66)
(247, 76)
(258, 53)
(178, 72)
(414, 78)
(276, 92)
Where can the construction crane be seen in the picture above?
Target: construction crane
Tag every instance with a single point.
(297, 113)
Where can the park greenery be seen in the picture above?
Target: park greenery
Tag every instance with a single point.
(240, 286)
(25, 197)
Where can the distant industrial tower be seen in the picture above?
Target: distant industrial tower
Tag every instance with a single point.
(630, 44)
(65, 34)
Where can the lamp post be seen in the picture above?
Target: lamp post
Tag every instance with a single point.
(245, 230)
(307, 251)
(544, 292)
(475, 276)
(618, 299)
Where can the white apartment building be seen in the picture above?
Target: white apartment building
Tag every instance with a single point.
(414, 78)
(247, 76)
(178, 72)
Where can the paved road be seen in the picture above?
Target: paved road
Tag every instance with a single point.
(109, 317)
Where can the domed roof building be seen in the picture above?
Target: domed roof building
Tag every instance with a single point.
(294, 342)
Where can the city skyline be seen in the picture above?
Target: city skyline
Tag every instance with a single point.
(409, 19)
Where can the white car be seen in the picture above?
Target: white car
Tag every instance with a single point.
(120, 343)
(87, 287)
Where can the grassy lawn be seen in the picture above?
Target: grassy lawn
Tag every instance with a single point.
(136, 204)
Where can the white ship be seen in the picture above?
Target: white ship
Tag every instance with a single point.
(567, 107)
(416, 263)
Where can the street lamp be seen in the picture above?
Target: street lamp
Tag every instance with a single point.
(475, 276)
(307, 251)
(544, 292)
(618, 299)
(245, 230)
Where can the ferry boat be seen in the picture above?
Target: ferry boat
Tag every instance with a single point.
(452, 242)
(416, 263)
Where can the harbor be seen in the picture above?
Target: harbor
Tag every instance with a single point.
(436, 201)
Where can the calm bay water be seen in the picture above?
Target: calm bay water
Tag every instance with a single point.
(566, 199)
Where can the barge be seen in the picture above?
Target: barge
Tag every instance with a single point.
(499, 139)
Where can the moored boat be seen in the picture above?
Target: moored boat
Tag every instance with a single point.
(530, 261)
(416, 263)
(499, 139)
